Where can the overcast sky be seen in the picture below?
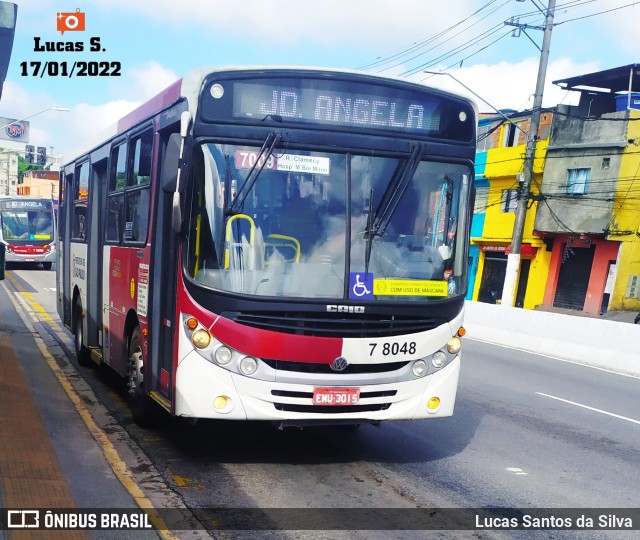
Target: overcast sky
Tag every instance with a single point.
(157, 41)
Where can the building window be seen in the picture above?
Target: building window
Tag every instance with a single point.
(577, 181)
(509, 200)
(484, 138)
(511, 135)
(482, 199)
(606, 162)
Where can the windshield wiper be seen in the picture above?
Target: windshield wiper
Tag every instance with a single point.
(247, 185)
(378, 221)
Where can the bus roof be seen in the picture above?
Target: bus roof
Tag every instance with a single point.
(189, 86)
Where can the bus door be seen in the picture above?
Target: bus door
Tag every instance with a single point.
(94, 258)
(164, 263)
(64, 260)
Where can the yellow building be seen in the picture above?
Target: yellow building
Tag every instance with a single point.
(625, 222)
(504, 166)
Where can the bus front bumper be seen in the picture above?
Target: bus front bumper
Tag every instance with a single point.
(204, 390)
(13, 257)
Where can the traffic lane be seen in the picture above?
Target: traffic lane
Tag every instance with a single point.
(570, 455)
(38, 282)
(507, 446)
(604, 405)
(255, 465)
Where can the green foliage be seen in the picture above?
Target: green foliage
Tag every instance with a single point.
(23, 166)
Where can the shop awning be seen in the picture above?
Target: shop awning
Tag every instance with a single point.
(527, 250)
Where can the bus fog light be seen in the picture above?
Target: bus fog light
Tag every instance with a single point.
(220, 402)
(223, 355)
(201, 339)
(248, 365)
(454, 345)
(438, 359)
(420, 368)
(433, 403)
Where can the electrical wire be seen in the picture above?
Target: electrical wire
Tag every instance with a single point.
(427, 41)
(595, 14)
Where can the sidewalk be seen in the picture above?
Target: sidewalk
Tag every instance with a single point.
(618, 316)
(48, 457)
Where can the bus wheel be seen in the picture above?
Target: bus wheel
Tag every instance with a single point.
(46, 265)
(142, 406)
(82, 353)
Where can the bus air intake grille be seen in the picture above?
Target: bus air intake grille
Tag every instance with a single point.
(309, 395)
(324, 369)
(331, 409)
(336, 325)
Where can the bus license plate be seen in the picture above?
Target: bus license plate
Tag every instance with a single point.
(336, 396)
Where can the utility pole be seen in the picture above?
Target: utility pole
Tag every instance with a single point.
(513, 260)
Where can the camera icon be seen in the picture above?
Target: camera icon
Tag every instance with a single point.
(68, 21)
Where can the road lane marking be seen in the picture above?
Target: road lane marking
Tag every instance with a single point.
(591, 408)
(517, 471)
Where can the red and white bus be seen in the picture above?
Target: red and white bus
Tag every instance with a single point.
(27, 227)
(277, 244)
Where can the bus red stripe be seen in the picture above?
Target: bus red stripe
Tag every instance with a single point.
(275, 345)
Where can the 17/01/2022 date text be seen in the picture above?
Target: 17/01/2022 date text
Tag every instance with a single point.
(68, 69)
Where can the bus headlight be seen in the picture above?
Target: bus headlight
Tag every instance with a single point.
(223, 355)
(438, 359)
(201, 339)
(420, 368)
(248, 365)
(454, 345)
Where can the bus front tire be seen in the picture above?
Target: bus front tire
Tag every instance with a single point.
(82, 353)
(143, 408)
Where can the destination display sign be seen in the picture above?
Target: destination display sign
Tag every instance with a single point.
(27, 204)
(341, 103)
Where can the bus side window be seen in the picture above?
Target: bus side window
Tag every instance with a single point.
(137, 215)
(137, 193)
(80, 196)
(115, 204)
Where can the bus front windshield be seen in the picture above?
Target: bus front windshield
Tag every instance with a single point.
(28, 225)
(326, 225)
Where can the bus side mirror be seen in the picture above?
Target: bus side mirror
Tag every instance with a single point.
(170, 163)
(176, 214)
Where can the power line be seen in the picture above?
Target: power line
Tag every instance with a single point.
(427, 41)
(596, 14)
(460, 48)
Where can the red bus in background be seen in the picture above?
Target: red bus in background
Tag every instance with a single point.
(27, 226)
(277, 244)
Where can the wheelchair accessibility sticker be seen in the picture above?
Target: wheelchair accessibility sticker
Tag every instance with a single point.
(363, 286)
(360, 286)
